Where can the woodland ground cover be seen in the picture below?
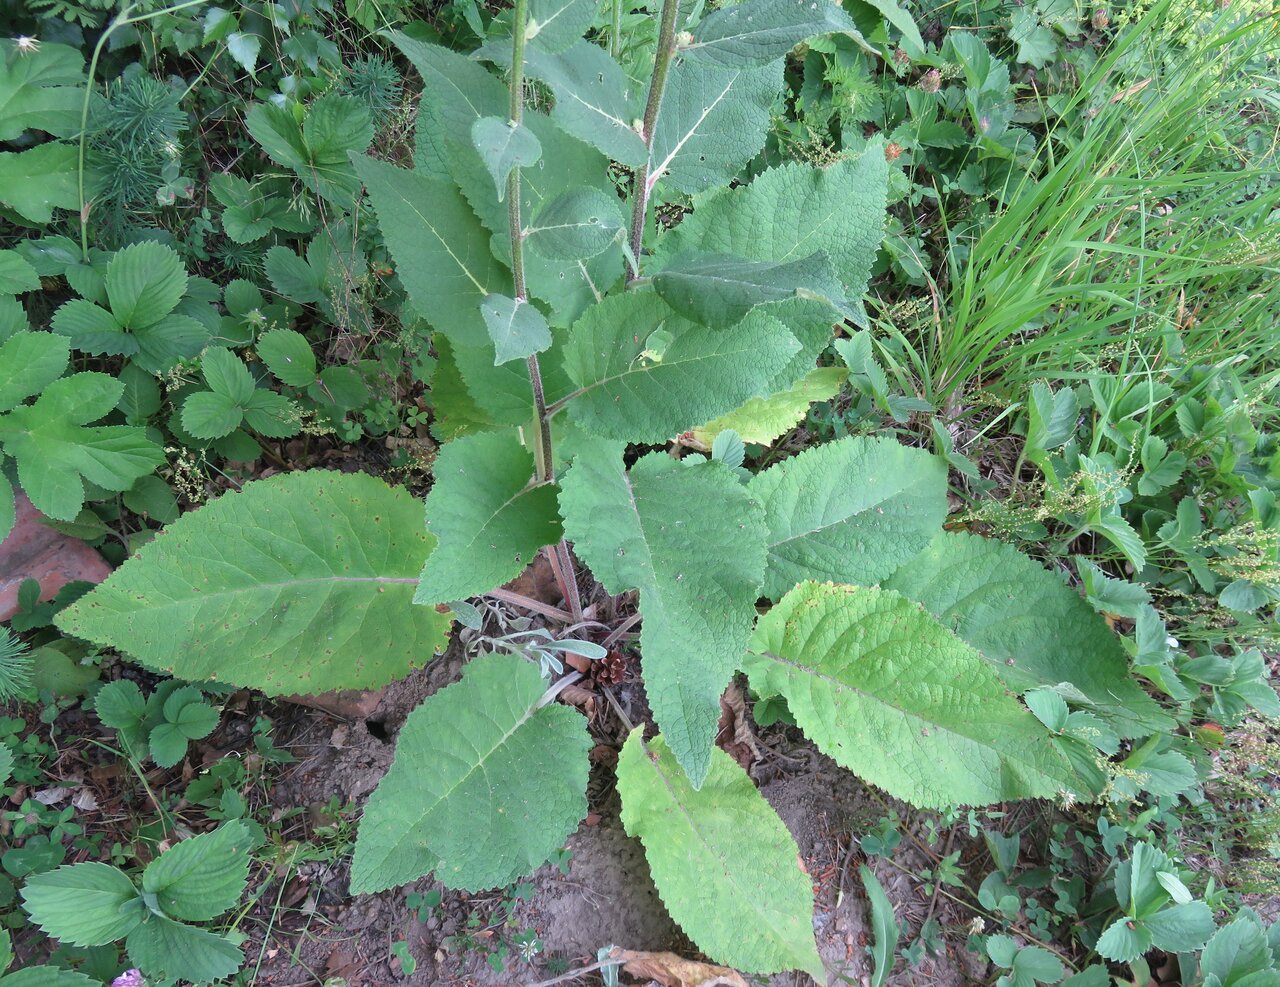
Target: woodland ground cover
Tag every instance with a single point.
(846, 440)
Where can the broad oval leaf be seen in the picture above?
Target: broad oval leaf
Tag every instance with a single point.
(718, 290)
(850, 511)
(81, 903)
(298, 583)
(576, 225)
(556, 24)
(790, 211)
(30, 362)
(288, 355)
(892, 695)
(165, 949)
(711, 850)
(692, 542)
(758, 31)
(145, 282)
(488, 518)
(201, 877)
(632, 386)
(712, 122)
(440, 248)
(486, 784)
(1032, 627)
(594, 98)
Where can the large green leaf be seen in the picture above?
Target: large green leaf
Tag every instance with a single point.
(487, 783)
(30, 362)
(489, 518)
(199, 878)
(758, 31)
(645, 374)
(886, 691)
(317, 146)
(791, 211)
(298, 583)
(712, 122)
(440, 249)
(576, 225)
(718, 290)
(459, 92)
(40, 89)
(37, 181)
(165, 949)
(556, 24)
(47, 976)
(692, 542)
(57, 451)
(1033, 628)
(145, 282)
(712, 852)
(850, 511)
(81, 904)
(595, 100)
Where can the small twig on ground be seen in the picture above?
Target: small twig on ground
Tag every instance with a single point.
(528, 603)
(575, 974)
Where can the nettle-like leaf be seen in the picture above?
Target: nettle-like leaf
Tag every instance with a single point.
(644, 374)
(850, 511)
(315, 141)
(889, 693)
(441, 250)
(47, 976)
(576, 225)
(719, 290)
(144, 284)
(1032, 627)
(791, 211)
(554, 25)
(488, 517)
(165, 949)
(487, 783)
(39, 180)
(16, 274)
(759, 31)
(298, 583)
(199, 878)
(712, 122)
(233, 399)
(595, 100)
(40, 89)
(55, 447)
(82, 904)
(691, 540)
(710, 851)
(250, 212)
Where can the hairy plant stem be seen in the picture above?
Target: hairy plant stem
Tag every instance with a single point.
(544, 462)
(657, 83)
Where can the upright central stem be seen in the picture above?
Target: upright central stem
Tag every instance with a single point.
(544, 463)
(542, 424)
(657, 83)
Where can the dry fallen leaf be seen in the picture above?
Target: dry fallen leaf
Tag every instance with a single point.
(671, 970)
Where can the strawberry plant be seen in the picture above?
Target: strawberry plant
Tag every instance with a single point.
(574, 333)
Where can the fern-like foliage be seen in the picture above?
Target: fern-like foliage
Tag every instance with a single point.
(15, 667)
